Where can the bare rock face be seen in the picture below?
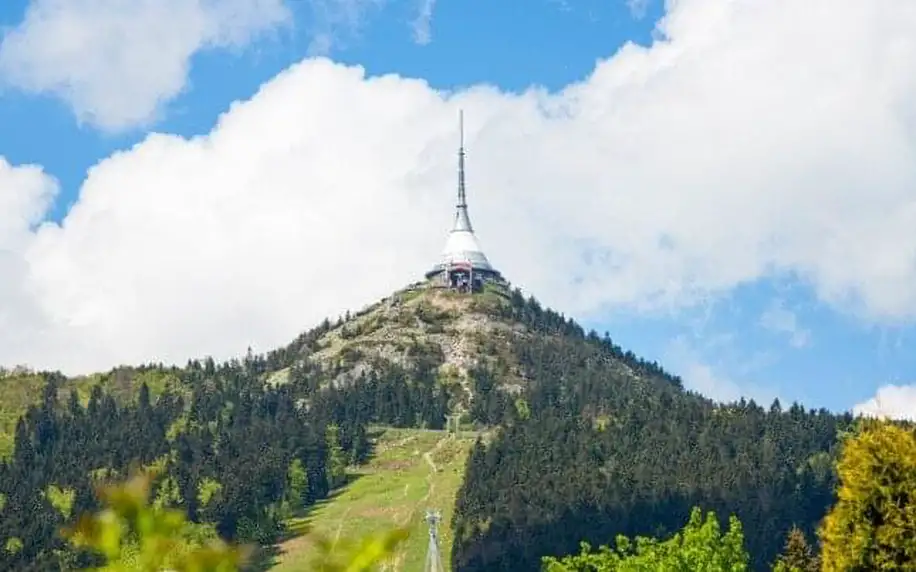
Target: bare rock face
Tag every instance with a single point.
(457, 332)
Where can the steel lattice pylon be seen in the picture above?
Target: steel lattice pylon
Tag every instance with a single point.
(433, 558)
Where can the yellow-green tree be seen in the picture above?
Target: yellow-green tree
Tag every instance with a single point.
(61, 498)
(134, 535)
(700, 547)
(872, 526)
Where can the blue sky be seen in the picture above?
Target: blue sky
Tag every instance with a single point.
(774, 335)
(468, 49)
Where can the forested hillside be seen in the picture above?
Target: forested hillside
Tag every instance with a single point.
(590, 440)
(596, 452)
(235, 455)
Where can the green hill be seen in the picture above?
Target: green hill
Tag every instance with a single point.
(591, 440)
(457, 337)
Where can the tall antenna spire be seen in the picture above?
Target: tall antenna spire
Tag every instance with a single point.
(463, 266)
(462, 200)
(462, 221)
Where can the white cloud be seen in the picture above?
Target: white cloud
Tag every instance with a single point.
(740, 148)
(422, 33)
(778, 319)
(891, 401)
(116, 62)
(26, 194)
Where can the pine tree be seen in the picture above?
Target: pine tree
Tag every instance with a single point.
(798, 555)
(337, 459)
(297, 484)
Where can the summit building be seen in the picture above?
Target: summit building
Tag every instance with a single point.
(462, 265)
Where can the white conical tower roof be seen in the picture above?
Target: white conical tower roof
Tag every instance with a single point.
(462, 246)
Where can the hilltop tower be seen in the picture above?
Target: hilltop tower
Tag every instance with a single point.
(463, 266)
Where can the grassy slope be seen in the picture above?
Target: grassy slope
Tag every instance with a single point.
(394, 489)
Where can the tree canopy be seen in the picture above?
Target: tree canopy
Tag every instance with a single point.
(699, 547)
(873, 524)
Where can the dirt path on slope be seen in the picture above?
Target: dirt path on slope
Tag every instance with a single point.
(395, 562)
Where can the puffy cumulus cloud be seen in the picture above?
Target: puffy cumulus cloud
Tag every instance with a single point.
(25, 194)
(891, 401)
(738, 147)
(282, 215)
(117, 61)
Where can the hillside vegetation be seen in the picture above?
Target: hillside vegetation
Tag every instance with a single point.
(20, 388)
(410, 471)
(591, 441)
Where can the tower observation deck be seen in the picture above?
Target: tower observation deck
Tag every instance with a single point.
(462, 266)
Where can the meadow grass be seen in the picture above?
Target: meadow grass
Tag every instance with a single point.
(412, 470)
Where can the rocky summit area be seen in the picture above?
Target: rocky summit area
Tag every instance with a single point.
(459, 335)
